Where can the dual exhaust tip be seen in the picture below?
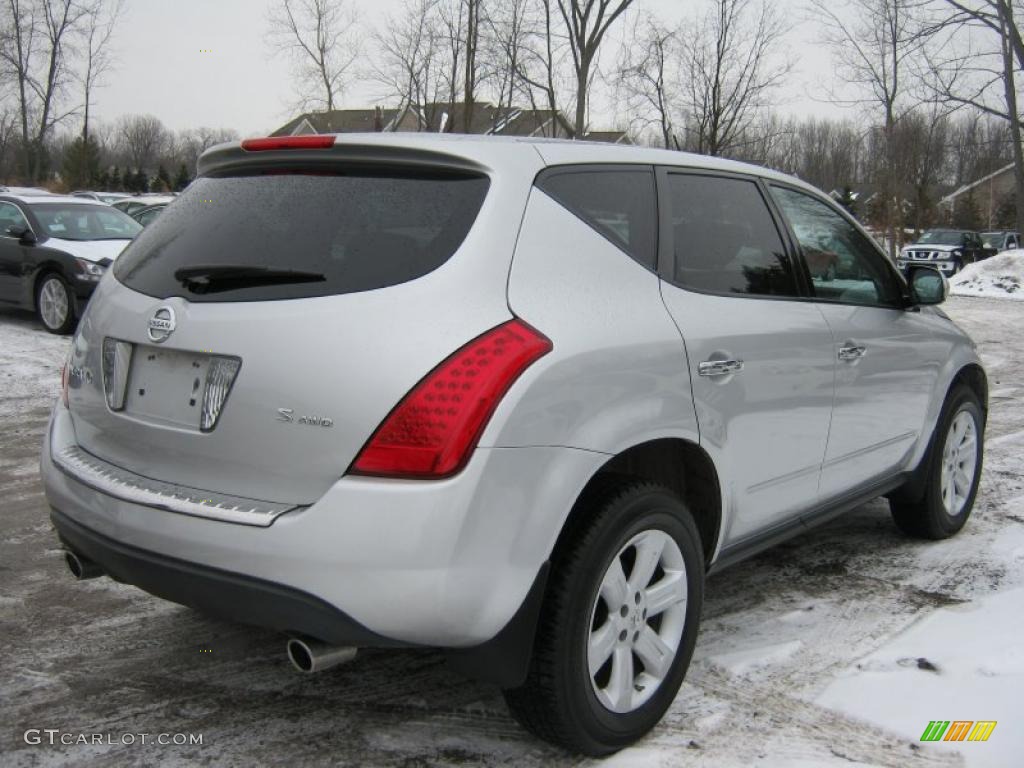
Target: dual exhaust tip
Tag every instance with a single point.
(306, 654)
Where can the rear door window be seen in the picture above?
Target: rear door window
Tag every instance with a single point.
(725, 239)
(619, 203)
(295, 235)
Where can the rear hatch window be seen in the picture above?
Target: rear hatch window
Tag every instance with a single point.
(295, 235)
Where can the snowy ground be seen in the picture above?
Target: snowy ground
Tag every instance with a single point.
(809, 655)
(998, 277)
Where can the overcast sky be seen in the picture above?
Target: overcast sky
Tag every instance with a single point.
(164, 69)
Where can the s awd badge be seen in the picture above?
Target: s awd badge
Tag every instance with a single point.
(288, 415)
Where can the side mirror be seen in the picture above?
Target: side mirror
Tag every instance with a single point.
(928, 286)
(25, 235)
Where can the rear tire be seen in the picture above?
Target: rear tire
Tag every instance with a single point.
(55, 304)
(627, 586)
(952, 473)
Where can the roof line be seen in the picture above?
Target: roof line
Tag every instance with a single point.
(968, 187)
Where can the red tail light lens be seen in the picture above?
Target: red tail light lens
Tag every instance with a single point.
(434, 429)
(288, 142)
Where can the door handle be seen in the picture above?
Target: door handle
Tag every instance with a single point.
(850, 352)
(719, 367)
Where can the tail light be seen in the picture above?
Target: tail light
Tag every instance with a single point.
(117, 360)
(434, 429)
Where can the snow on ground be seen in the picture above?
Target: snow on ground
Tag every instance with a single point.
(807, 656)
(1000, 277)
(973, 655)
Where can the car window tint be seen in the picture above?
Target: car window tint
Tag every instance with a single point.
(84, 222)
(368, 230)
(724, 238)
(11, 218)
(844, 265)
(619, 204)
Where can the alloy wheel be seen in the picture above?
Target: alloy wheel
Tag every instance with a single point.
(959, 460)
(637, 621)
(53, 303)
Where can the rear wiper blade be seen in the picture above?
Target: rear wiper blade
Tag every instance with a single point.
(211, 278)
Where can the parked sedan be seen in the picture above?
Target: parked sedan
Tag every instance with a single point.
(54, 250)
(145, 216)
(102, 197)
(948, 250)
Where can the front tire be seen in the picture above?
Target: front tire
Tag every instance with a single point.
(55, 305)
(952, 473)
(619, 621)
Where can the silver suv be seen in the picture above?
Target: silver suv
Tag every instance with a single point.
(512, 399)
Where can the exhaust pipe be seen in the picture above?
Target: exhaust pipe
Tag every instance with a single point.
(309, 655)
(81, 567)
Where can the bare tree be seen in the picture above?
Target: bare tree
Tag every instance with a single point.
(586, 23)
(322, 39)
(410, 59)
(191, 143)
(538, 66)
(649, 77)
(144, 138)
(731, 70)
(34, 52)
(984, 78)
(472, 45)
(101, 18)
(874, 46)
(506, 30)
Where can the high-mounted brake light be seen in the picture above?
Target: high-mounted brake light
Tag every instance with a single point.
(288, 142)
(432, 432)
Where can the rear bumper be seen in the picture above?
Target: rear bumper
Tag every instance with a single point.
(373, 562)
(230, 595)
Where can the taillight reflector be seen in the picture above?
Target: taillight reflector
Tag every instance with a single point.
(432, 432)
(288, 142)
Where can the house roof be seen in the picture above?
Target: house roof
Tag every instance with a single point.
(952, 196)
(443, 117)
(339, 121)
(611, 137)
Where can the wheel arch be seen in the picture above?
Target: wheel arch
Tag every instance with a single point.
(973, 377)
(681, 466)
(48, 267)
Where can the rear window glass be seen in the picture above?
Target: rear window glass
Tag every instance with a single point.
(295, 235)
(618, 203)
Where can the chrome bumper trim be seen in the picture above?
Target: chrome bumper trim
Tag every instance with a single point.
(128, 486)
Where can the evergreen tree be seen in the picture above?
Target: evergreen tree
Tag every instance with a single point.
(163, 179)
(1006, 211)
(183, 179)
(966, 213)
(81, 166)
